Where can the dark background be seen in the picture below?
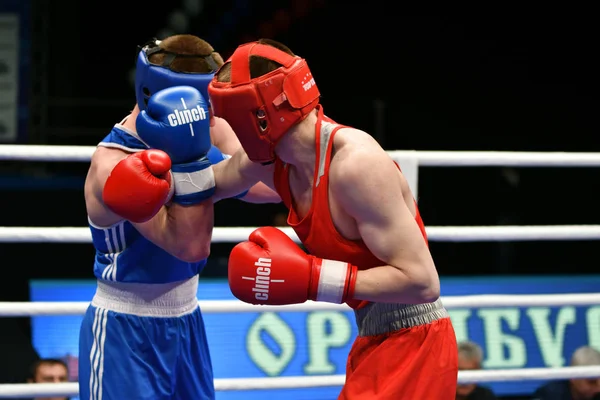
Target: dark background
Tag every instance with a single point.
(473, 79)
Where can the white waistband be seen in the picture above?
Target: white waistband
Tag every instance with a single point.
(149, 300)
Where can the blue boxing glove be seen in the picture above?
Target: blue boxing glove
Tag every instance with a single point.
(176, 121)
(215, 156)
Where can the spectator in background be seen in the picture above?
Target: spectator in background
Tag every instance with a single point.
(470, 357)
(49, 370)
(574, 389)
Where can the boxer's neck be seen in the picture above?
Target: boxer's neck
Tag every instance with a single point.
(130, 122)
(297, 147)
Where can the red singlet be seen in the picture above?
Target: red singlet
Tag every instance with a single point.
(402, 351)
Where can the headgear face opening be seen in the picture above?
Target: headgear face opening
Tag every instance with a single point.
(151, 78)
(263, 109)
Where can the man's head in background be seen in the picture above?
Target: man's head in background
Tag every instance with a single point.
(470, 357)
(49, 370)
(586, 388)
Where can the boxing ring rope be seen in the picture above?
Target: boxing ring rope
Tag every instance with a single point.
(425, 158)
(24, 390)
(38, 308)
(239, 234)
(236, 234)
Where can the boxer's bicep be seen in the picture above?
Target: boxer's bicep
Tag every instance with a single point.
(371, 193)
(372, 196)
(102, 163)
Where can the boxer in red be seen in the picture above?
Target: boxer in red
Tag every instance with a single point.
(353, 211)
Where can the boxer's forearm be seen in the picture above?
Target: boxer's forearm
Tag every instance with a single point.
(230, 180)
(388, 284)
(260, 194)
(185, 232)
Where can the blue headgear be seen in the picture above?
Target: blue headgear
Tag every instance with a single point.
(151, 78)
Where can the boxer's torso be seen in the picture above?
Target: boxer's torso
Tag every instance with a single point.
(328, 232)
(122, 253)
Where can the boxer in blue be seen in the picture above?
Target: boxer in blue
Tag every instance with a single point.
(149, 196)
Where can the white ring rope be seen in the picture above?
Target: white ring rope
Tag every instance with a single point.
(24, 390)
(27, 309)
(239, 234)
(425, 158)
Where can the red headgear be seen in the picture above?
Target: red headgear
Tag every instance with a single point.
(263, 109)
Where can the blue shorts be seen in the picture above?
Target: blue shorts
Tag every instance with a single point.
(141, 357)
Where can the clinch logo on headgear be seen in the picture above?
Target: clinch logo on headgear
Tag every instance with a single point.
(187, 116)
(308, 81)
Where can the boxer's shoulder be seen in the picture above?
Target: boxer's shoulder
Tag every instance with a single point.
(355, 154)
(104, 156)
(102, 163)
(352, 140)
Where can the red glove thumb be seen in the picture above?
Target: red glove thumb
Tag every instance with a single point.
(273, 240)
(158, 163)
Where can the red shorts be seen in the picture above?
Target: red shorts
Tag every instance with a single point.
(412, 364)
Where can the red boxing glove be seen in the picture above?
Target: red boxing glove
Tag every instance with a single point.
(271, 269)
(139, 185)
